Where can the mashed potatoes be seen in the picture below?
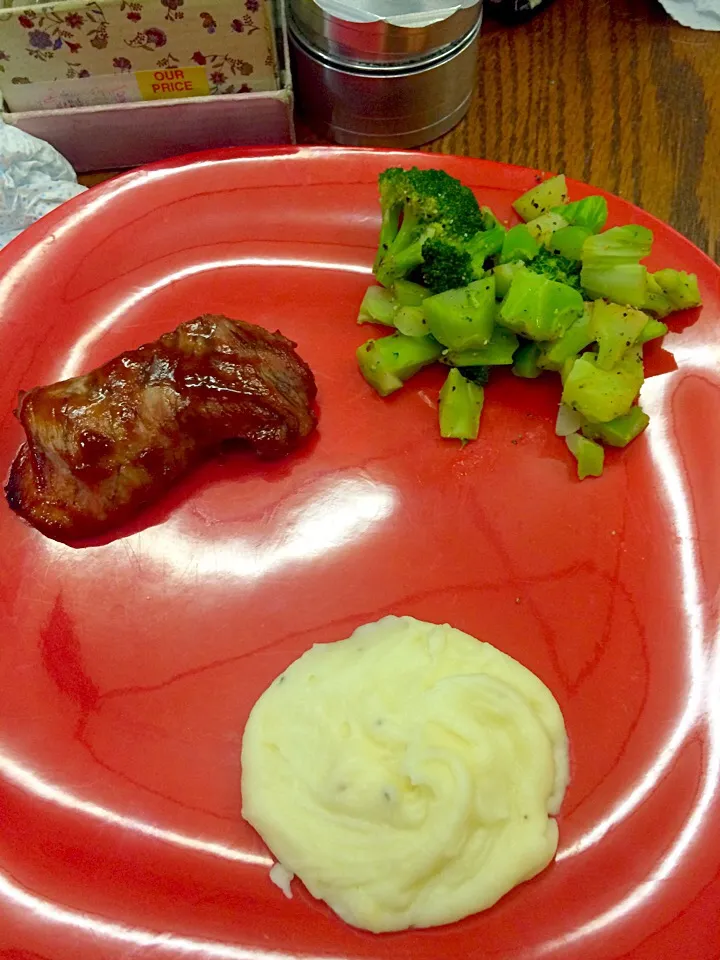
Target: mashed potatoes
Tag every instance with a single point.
(407, 774)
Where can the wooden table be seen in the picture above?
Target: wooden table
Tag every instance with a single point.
(614, 93)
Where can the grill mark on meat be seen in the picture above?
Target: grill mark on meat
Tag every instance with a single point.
(100, 446)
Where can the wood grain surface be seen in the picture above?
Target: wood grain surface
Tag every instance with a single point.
(612, 92)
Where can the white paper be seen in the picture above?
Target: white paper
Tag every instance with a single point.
(34, 179)
(698, 14)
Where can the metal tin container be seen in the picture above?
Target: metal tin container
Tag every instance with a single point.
(401, 103)
(366, 33)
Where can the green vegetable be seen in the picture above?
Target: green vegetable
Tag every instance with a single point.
(624, 283)
(590, 456)
(651, 331)
(543, 227)
(578, 336)
(498, 352)
(620, 431)
(461, 404)
(450, 263)
(463, 319)
(679, 287)
(526, 361)
(386, 363)
(555, 267)
(628, 244)
(656, 301)
(590, 213)
(409, 294)
(504, 272)
(610, 266)
(568, 241)
(378, 306)
(518, 244)
(538, 308)
(411, 321)
(419, 205)
(616, 328)
(602, 395)
(542, 198)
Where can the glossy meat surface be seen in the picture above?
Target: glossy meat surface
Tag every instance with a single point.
(101, 445)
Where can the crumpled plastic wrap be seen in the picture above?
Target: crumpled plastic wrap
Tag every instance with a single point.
(698, 14)
(34, 179)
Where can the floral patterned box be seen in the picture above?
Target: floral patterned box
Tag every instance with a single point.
(76, 54)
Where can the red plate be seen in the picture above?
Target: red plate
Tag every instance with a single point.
(129, 667)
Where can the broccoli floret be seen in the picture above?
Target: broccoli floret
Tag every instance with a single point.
(555, 267)
(449, 263)
(446, 265)
(417, 206)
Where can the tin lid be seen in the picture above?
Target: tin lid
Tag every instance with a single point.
(383, 31)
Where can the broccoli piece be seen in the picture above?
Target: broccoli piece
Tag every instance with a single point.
(449, 263)
(542, 198)
(555, 267)
(568, 241)
(386, 363)
(590, 456)
(539, 308)
(518, 244)
(620, 431)
(526, 361)
(543, 227)
(417, 206)
(680, 288)
(590, 213)
(461, 403)
(463, 319)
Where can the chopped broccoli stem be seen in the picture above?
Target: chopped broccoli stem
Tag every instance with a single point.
(486, 244)
(656, 301)
(620, 431)
(526, 361)
(386, 363)
(498, 351)
(679, 287)
(518, 244)
(590, 456)
(589, 213)
(542, 198)
(616, 329)
(652, 330)
(568, 241)
(463, 319)
(578, 336)
(411, 321)
(504, 272)
(408, 294)
(543, 227)
(628, 244)
(378, 306)
(602, 395)
(538, 308)
(623, 283)
(461, 404)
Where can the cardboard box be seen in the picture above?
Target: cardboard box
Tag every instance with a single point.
(120, 135)
(76, 54)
